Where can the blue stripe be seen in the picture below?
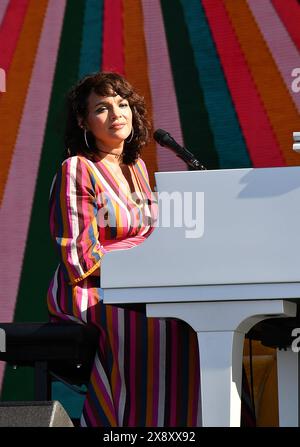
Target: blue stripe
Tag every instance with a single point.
(91, 46)
(228, 137)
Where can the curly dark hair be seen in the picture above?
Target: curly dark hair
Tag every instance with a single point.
(104, 84)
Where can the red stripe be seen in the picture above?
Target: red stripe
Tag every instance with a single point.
(195, 371)
(156, 371)
(174, 378)
(289, 13)
(112, 52)
(10, 30)
(132, 390)
(264, 151)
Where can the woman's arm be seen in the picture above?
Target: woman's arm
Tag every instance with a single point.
(74, 220)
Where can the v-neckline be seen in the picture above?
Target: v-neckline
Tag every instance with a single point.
(128, 192)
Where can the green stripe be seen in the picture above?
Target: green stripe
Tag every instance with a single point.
(91, 48)
(40, 260)
(228, 137)
(198, 137)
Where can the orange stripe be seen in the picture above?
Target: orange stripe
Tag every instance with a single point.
(110, 416)
(110, 329)
(76, 302)
(136, 68)
(150, 373)
(18, 78)
(281, 111)
(193, 351)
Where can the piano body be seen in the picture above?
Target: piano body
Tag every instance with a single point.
(234, 261)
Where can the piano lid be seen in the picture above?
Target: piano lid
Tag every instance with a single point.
(234, 226)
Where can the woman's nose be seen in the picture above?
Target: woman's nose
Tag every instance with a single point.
(115, 112)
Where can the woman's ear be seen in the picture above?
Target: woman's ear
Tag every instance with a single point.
(80, 123)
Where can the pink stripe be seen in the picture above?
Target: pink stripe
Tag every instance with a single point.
(283, 49)
(156, 345)
(165, 110)
(25, 163)
(63, 299)
(264, 151)
(132, 414)
(289, 12)
(116, 332)
(10, 30)
(102, 337)
(112, 53)
(72, 270)
(174, 404)
(3, 6)
(88, 216)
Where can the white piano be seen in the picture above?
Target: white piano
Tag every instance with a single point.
(233, 263)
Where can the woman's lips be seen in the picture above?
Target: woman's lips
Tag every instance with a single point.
(117, 126)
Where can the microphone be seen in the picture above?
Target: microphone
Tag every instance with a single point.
(164, 139)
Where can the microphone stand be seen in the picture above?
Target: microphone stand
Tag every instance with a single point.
(190, 159)
(164, 139)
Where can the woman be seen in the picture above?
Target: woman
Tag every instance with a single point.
(146, 371)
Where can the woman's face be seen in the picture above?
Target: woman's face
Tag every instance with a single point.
(109, 119)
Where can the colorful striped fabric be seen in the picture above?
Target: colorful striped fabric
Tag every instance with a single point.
(216, 74)
(142, 373)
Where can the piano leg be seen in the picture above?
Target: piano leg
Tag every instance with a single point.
(221, 375)
(288, 387)
(221, 327)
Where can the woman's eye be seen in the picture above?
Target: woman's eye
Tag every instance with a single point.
(100, 110)
(124, 104)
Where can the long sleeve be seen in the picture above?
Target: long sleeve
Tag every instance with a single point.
(73, 219)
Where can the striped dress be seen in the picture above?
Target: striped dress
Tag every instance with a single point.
(146, 371)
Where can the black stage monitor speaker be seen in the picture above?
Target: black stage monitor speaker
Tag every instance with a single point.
(34, 414)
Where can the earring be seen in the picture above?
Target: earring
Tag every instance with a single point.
(131, 136)
(85, 139)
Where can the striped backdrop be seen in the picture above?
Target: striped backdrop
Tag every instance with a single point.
(216, 74)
